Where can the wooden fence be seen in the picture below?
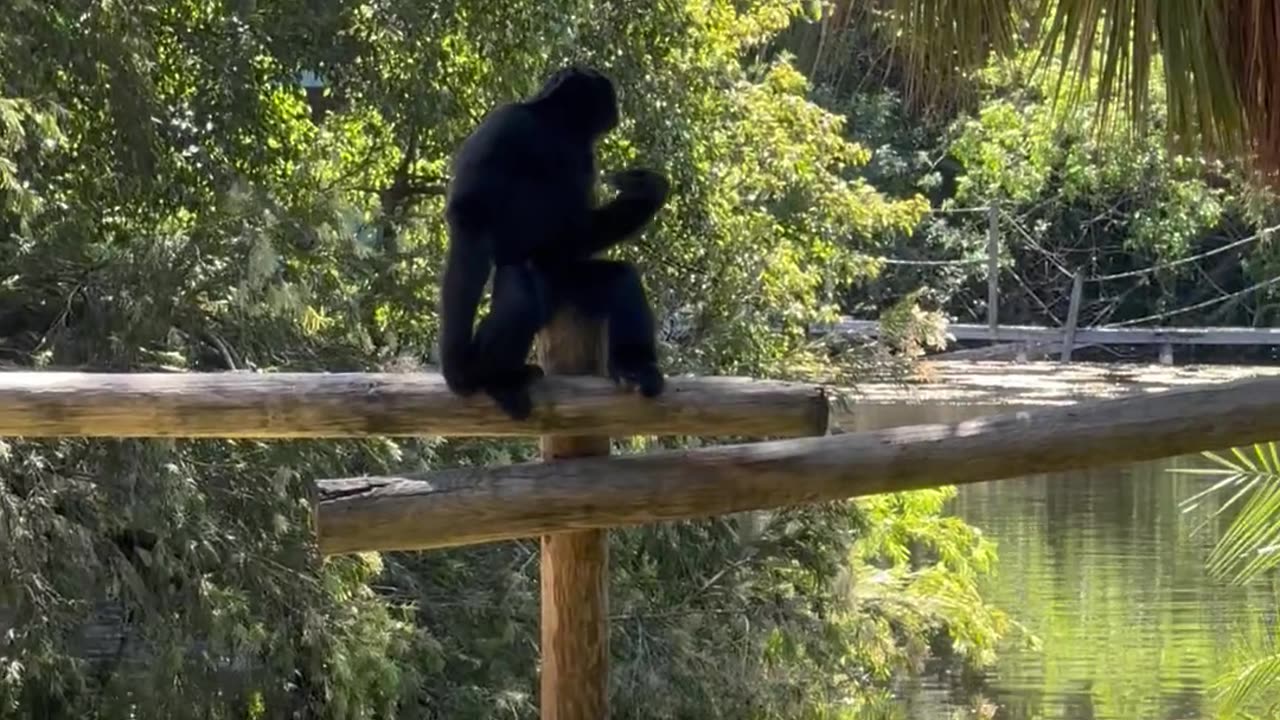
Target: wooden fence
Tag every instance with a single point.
(1070, 337)
(573, 496)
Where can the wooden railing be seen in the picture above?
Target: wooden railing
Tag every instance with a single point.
(578, 492)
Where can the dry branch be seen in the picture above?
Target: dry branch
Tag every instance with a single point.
(467, 506)
(324, 405)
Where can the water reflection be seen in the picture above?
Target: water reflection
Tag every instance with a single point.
(1104, 567)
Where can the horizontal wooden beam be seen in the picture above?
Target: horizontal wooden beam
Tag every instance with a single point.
(476, 505)
(1084, 336)
(330, 405)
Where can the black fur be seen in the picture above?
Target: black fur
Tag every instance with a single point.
(522, 202)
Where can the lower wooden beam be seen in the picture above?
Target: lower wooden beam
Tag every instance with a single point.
(476, 505)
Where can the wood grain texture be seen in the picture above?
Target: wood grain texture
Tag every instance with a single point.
(467, 506)
(324, 405)
(574, 677)
(574, 570)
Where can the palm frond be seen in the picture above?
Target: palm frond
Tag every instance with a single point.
(1251, 686)
(940, 41)
(1221, 69)
(1251, 544)
(1249, 548)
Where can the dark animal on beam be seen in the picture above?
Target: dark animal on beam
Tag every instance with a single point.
(522, 202)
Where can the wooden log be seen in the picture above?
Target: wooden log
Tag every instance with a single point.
(324, 405)
(466, 506)
(575, 565)
(1087, 335)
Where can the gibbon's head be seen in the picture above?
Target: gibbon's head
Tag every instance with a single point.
(581, 97)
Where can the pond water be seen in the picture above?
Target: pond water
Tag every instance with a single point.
(1109, 572)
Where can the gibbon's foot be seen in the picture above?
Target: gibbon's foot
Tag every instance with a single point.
(527, 374)
(511, 391)
(643, 376)
(467, 384)
(460, 383)
(533, 373)
(515, 401)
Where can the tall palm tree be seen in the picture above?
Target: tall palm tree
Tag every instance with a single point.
(1221, 59)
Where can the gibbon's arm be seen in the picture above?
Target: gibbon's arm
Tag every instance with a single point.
(641, 194)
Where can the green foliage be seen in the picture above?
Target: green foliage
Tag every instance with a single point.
(1024, 146)
(1250, 688)
(836, 603)
(1247, 551)
(1252, 476)
(1219, 82)
(1072, 194)
(922, 570)
(911, 330)
(177, 193)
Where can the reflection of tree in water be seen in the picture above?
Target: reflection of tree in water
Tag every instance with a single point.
(1127, 513)
(1078, 704)
(1109, 500)
(1185, 701)
(980, 698)
(1019, 704)
(1102, 565)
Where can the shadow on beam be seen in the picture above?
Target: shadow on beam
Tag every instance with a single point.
(476, 505)
(331, 405)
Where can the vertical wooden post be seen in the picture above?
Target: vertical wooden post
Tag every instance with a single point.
(1166, 353)
(575, 565)
(993, 269)
(1073, 316)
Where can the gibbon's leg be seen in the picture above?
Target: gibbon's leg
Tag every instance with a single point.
(521, 307)
(613, 290)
